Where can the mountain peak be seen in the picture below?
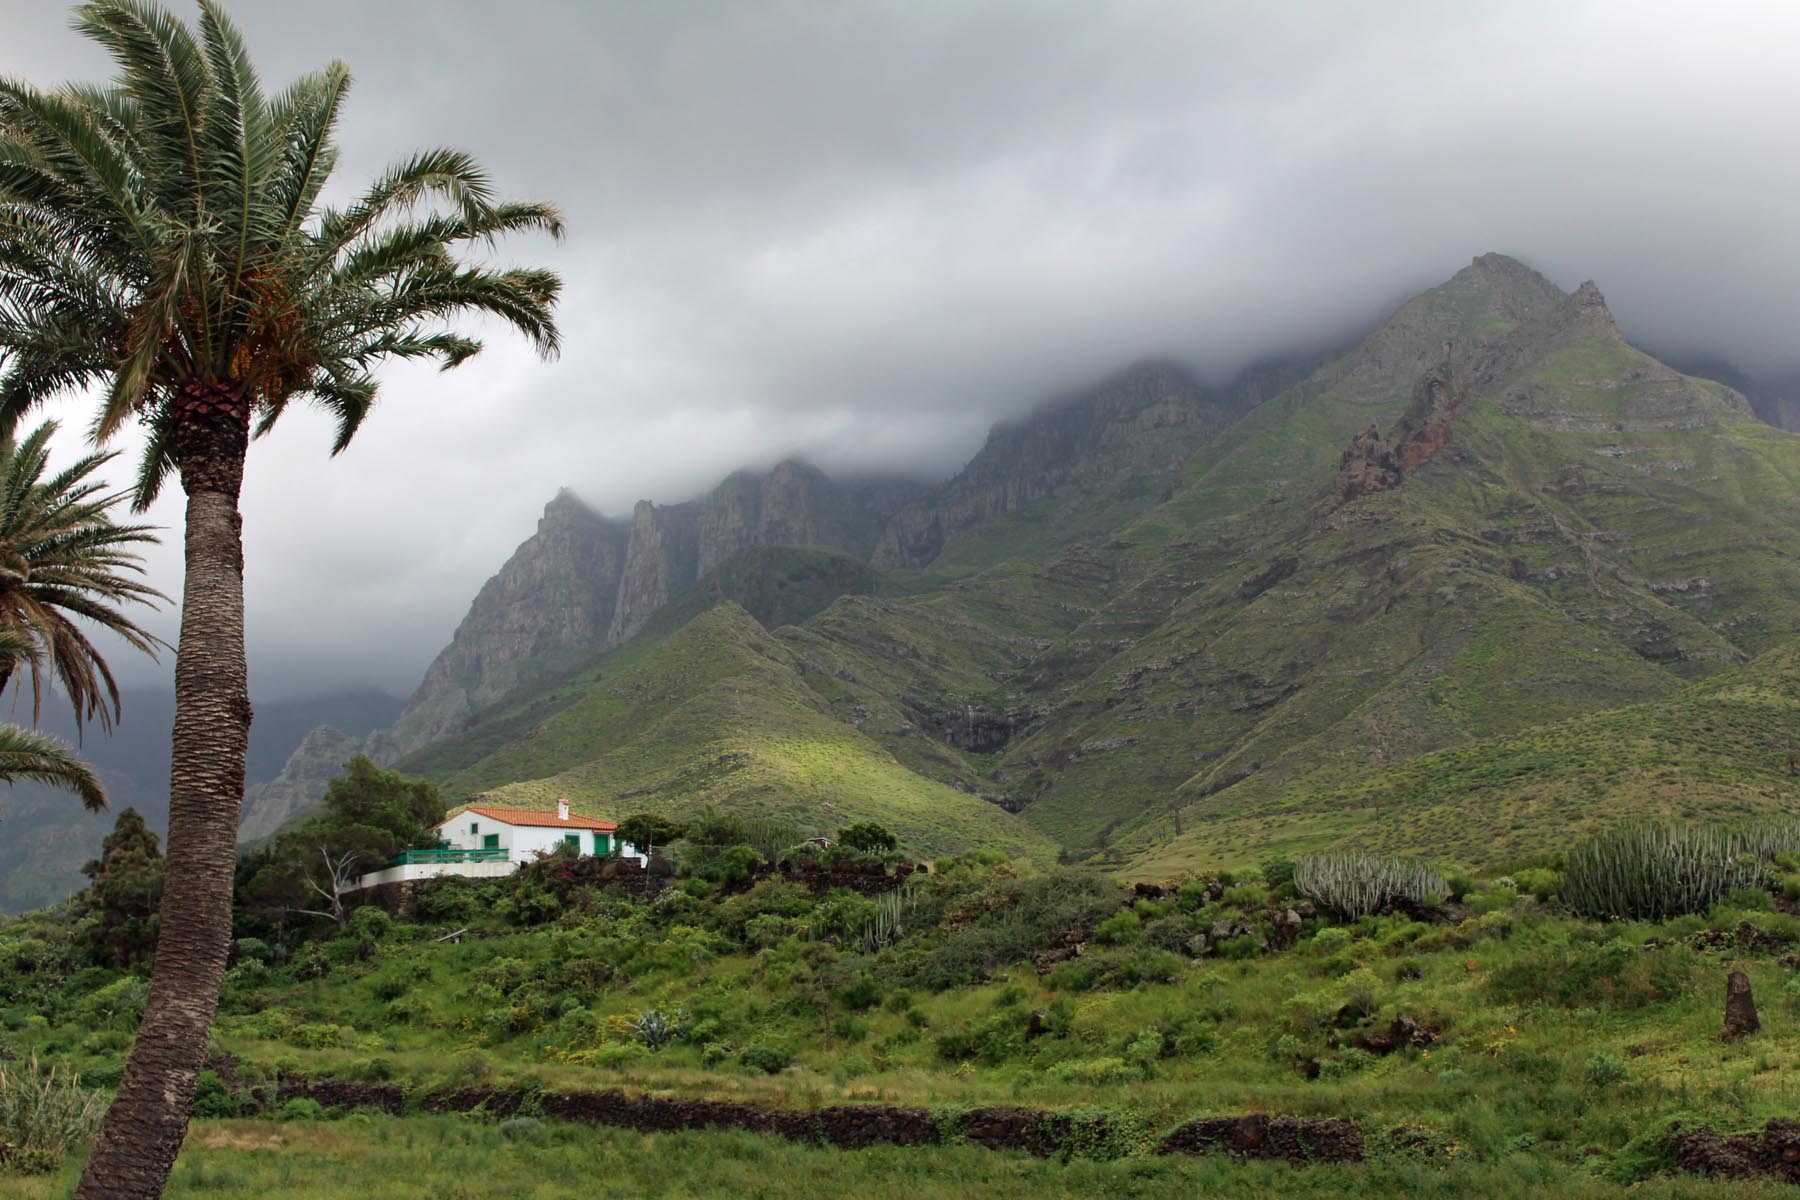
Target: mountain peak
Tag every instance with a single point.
(566, 501)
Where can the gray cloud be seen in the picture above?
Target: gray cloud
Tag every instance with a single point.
(866, 231)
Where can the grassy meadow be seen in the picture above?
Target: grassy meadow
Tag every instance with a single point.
(1560, 1048)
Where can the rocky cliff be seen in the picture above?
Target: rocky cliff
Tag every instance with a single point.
(318, 760)
(583, 583)
(553, 601)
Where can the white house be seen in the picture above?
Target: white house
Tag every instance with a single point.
(483, 841)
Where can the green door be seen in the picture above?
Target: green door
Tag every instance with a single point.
(491, 842)
(602, 844)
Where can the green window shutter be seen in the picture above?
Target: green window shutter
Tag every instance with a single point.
(474, 826)
(491, 842)
(572, 841)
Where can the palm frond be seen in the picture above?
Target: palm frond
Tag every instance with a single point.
(39, 757)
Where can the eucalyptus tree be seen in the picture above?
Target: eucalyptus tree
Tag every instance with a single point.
(63, 557)
(163, 243)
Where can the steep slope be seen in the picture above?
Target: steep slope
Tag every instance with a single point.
(1078, 466)
(553, 599)
(1164, 628)
(1559, 523)
(1719, 750)
(719, 715)
(583, 583)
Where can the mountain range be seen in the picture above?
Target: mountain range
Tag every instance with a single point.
(1488, 575)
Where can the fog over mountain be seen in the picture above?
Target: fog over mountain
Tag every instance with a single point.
(865, 232)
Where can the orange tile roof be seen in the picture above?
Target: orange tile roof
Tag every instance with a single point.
(531, 816)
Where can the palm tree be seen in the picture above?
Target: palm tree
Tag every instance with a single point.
(162, 241)
(62, 556)
(28, 755)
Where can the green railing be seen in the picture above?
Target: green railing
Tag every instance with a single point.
(450, 854)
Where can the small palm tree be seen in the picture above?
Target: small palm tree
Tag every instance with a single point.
(28, 755)
(63, 557)
(161, 240)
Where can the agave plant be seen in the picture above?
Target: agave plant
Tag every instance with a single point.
(44, 1113)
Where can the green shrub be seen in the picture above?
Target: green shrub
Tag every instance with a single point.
(764, 1058)
(1353, 885)
(301, 1108)
(1025, 916)
(1278, 873)
(44, 1113)
(249, 949)
(1330, 940)
(1120, 929)
(1239, 948)
(1751, 900)
(523, 1129)
(1603, 1070)
(1654, 872)
(860, 994)
(370, 924)
(212, 1098)
(1541, 882)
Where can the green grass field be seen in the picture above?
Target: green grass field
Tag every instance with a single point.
(447, 1159)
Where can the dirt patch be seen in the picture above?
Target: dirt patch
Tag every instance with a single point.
(1774, 1152)
(238, 1139)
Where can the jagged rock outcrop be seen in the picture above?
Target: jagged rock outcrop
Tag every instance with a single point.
(662, 558)
(795, 504)
(1372, 463)
(302, 782)
(551, 602)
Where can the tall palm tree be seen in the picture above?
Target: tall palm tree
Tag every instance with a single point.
(25, 754)
(161, 240)
(61, 557)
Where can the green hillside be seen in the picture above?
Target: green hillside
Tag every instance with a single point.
(1716, 752)
(718, 715)
(1492, 515)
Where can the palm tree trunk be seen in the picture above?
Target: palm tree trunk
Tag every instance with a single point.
(148, 1120)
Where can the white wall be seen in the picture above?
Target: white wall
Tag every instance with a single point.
(411, 871)
(523, 842)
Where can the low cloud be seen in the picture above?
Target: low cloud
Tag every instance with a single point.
(864, 232)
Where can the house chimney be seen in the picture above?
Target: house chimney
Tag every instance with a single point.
(562, 809)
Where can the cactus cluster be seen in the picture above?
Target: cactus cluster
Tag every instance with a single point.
(893, 913)
(1353, 884)
(1770, 838)
(1653, 872)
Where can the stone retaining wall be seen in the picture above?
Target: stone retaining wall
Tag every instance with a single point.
(850, 1126)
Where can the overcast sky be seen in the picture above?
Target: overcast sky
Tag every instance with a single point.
(864, 232)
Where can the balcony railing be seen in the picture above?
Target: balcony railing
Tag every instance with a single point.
(450, 854)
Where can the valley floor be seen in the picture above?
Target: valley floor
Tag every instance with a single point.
(444, 1158)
